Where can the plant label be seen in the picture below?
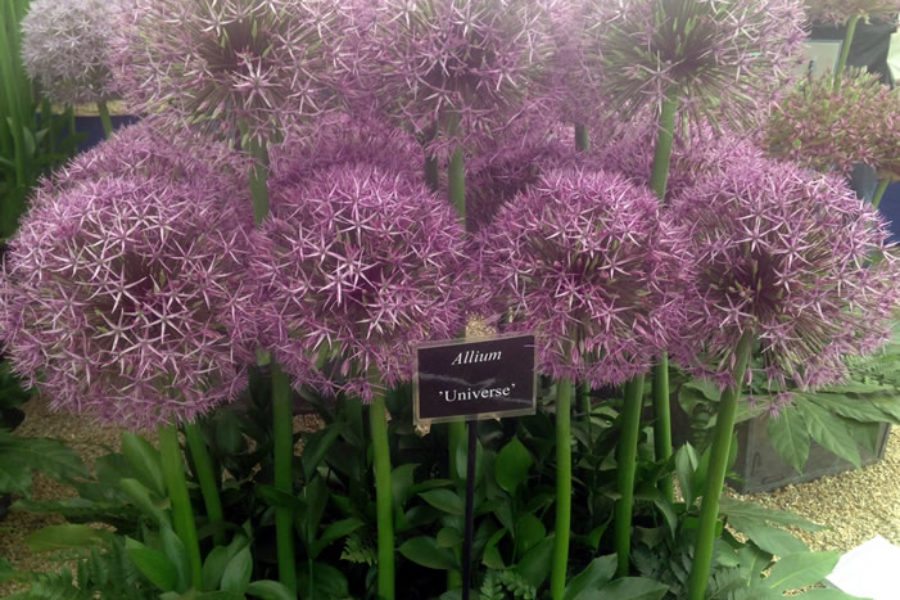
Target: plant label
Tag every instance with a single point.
(482, 379)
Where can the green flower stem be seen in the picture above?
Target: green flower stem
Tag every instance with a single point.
(283, 441)
(11, 92)
(182, 515)
(456, 183)
(563, 488)
(259, 181)
(105, 120)
(626, 462)
(209, 486)
(659, 177)
(845, 53)
(432, 173)
(582, 138)
(383, 502)
(879, 193)
(715, 478)
(584, 396)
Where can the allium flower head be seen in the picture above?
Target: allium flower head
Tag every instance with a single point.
(841, 11)
(121, 298)
(241, 69)
(826, 130)
(457, 70)
(66, 49)
(786, 255)
(586, 264)
(719, 58)
(358, 264)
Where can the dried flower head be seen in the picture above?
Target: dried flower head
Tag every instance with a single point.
(785, 254)
(586, 264)
(457, 71)
(240, 69)
(66, 49)
(826, 130)
(357, 264)
(841, 11)
(719, 58)
(120, 298)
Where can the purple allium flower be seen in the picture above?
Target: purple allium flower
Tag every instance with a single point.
(120, 298)
(787, 255)
(841, 11)
(586, 264)
(66, 49)
(826, 130)
(240, 69)
(457, 72)
(358, 264)
(719, 58)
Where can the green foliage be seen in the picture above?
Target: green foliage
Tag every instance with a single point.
(21, 456)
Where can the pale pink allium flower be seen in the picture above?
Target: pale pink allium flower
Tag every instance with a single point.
(583, 261)
(794, 258)
(66, 49)
(356, 264)
(239, 69)
(456, 71)
(120, 297)
(720, 59)
(841, 11)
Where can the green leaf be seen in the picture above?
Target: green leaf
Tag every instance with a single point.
(214, 567)
(511, 465)
(445, 500)
(529, 532)
(238, 572)
(335, 531)
(732, 509)
(629, 588)
(316, 494)
(317, 445)
(826, 595)
(401, 483)
(771, 539)
(153, 564)
(61, 537)
(599, 571)
(266, 589)
(535, 565)
(686, 462)
(175, 551)
(424, 551)
(146, 462)
(857, 409)
(801, 569)
(20, 455)
(139, 495)
(449, 537)
(491, 556)
(831, 432)
(328, 583)
(789, 436)
(279, 499)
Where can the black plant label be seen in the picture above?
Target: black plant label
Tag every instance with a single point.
(482, 379)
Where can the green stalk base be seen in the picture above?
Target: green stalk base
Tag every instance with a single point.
(209, 486)
(563, 489)
(383, 500)
(105, 119)
(845, 53)
(582, 138)
(662, 426)
(456, 184)
(626, 461)
(283, 454)
(879, 193)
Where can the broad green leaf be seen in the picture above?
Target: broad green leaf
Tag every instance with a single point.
(535, 565)
(801, 569)
(20, 455)
(827, 595)
(317, 445)
(449, 537)
(153, 564)
(401, 483)
(491, 557)
(686, 462)
(511, 465)
(316, 494)
(424, 551)
(732, 508)
(175, 551)
(335, 531)
(145, 461)
(61, 537)
(789, 437)
(831, 432)
(214, 567)
(266, 589)
(445, 500)
(275, 497)
(238, 572)
(529, 532)
(629, 588)
(853, 408)
(771, 539)
(328, 583)
(599, 571)
(651, 494)
(139, 495)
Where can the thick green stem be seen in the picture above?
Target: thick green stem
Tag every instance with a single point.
(383, 500)
(206, 476)
(879, 193)
(662, 156)
(584, 398)
(563, 488)
(283, 449)
(105, 120)
(662, 428)
(845, 53)
(182, 514)
(259, 178)
(456, 183)
(582, 138)
(626, 466)
(715, 478)
(432, 173)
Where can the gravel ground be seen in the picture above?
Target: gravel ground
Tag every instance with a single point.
(853, 506)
